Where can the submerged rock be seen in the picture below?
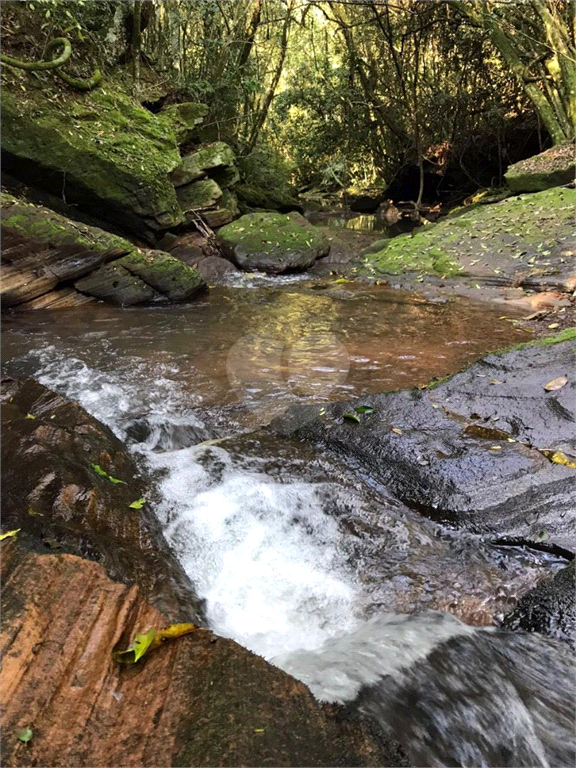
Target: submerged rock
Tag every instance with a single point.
(549, 608)
(550, 168)
(476, 451)
(109, 155)
(273, 242)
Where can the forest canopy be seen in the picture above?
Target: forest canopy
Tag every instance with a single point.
(338, 93)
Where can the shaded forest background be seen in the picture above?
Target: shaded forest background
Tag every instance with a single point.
(422, 98)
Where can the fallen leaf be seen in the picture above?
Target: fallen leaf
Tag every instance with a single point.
(33, 513)
(397, 431)
(341, 280)
(541, 536)
(496, 448)
(364, 409)
(99, 471)
(555, 384)
(144, 642)
(554, 325)
(138, 504)
(559, 457)
(30, 416)
(8, 534)
(495, 381)
(352, 417)
(258, 730)
(25, 735)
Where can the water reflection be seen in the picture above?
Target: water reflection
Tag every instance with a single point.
(265, 347)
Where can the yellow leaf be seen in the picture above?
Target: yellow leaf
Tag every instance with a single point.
(556, 384)
(559, 457)
(495, 381)
(496, 448)
(397, 431)
(30, 416)
(144, 642)
(9, 533)
(554, 325)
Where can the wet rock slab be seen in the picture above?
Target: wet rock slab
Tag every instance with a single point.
(199, 700)
(52, 492)
(473, 451)
(550, 608)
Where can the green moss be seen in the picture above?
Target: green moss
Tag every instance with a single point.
(568, 334)
(270, 233)
(510, 227)
(103, 141)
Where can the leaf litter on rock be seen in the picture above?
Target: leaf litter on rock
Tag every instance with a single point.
(144, 642)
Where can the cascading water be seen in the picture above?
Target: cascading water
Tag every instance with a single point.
(293, 553)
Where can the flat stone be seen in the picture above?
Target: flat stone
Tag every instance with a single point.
(166, 274)
(195, 165)
(114, 283)
(199, 195)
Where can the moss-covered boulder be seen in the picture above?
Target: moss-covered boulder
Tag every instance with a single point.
(226, 211)
(166, 274)
(102, 149)
(551, 168)
(44, 254)
(512, 239)
(199, 195)
(196, 164)
(270, 199)
(184, 118)
(273, 242)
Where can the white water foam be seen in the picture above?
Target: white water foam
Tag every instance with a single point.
(268, 561)
(264, 555)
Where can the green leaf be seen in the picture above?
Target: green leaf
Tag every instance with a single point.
(364, 409)
(351, 417)
(25, 735)
(30, 416)
(138, 504)
(139, 647)
(115, 480)
(99, 471)
(8, 534)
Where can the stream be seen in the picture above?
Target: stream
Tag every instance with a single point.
(289, 547)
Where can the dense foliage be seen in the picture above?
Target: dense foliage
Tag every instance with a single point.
(343, 92)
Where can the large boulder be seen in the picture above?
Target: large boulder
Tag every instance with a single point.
(551, 168)
(103, 150)
(184, 119)
(490, 450)
(273, 242)
(549, 608)
(44, 253)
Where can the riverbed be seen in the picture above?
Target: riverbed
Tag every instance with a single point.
(287, 545)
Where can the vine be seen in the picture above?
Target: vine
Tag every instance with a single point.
(55, 64)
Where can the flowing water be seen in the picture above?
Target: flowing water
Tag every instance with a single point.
(288, 546)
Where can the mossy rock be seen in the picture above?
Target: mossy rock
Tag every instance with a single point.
(199, 195)
(253, 196)
(166, 274)
(226, 212)
(116, 285)
(551, 168)
(107, 153)
(516, 233)
(196, 164)
(184, 118)
(273, 242)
